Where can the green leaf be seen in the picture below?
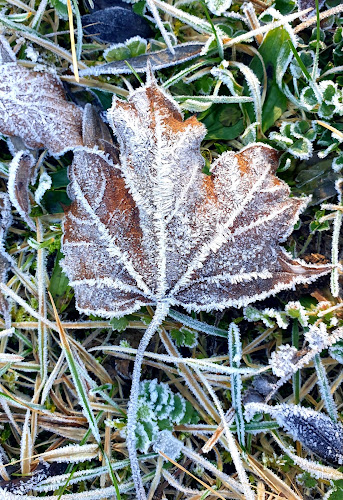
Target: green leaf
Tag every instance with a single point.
(119, 324)
(59, 178)
(59, 287)
(224, 122)
(184, 337)
(270, 50)
(55, 201)
(61, 8)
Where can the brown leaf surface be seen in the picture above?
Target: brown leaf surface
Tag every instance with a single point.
(34, 107)
(154, 228)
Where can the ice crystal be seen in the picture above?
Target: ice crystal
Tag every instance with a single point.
(317, 336)
(316, 431)
(283, 361)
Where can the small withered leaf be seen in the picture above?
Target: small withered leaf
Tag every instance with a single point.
(21, 174)
(94, 130)
(34, 107)
(306, 4)
(316, 431)
(22, 485)
(157, 60)
(154, 228)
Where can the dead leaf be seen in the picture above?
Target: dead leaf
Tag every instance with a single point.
(155, 228)
(21, 174)
(94, 130)
(157, 60)
(34, 107)
(306, 4)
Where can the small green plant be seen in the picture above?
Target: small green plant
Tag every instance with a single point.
(160, 409)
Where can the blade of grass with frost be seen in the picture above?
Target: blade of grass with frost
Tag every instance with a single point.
(26, 450)
(73, 453)
(20, 403)
(215, 33)
(202, 364)
(160, 25)
(253, 86)
(252, 82)
(217, 99)
(42, 328)
(59, 481)
(32, 35)
(196, 324)
(235, 353)
(49, 383)
(96, 494)
(235, 455)
(39, 14)
(83, 398)
(324, 388)
(176, 78)
(109, 467)
(314, 468)
(12, 358)
(195, 22)
(7, 291)
(316, 59)
(209, 488)
(337, 224)
(206, 464)
(264, 29)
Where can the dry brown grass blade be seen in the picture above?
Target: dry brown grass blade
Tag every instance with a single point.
(313, 19)
(274, 482)
(72, 41)
(190, 474)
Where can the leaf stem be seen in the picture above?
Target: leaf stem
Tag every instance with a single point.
(160, 313)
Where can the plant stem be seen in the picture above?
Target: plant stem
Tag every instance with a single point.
(160, 313)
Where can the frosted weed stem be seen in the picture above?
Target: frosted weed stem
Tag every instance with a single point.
(160, 313)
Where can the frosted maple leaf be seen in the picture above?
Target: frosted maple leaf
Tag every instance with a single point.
(152, 229)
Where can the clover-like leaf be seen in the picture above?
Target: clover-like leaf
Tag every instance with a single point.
(34, 107)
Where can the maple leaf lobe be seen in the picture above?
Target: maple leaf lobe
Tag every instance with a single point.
(152, 227)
